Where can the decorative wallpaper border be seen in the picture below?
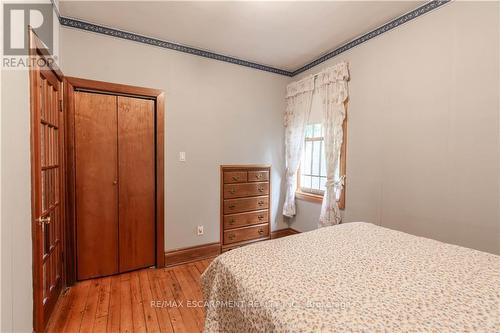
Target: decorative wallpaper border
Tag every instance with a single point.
(82, 25)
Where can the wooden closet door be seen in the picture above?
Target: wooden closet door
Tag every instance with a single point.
(96, 160)
(136, 160)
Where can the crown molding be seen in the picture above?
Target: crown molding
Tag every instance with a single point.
(108, 31)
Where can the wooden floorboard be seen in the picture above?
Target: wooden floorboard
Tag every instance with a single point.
(103, 303)
(74, 321)
(137, 304)
(89, 312)
(164, 320)
(149, 300)
(113, 317)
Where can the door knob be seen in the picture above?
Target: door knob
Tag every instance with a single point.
(43, 220)
(115, 182)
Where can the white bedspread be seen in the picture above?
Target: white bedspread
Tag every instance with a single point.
(354, 277)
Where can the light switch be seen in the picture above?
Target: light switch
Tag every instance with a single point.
(182, 156)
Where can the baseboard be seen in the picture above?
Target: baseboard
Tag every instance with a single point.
(194, 253)
(190, 254)
(283, 233)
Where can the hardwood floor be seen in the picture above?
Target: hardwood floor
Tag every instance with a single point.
(149, 300)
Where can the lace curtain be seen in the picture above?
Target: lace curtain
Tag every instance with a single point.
(298, 106)
(332, 85)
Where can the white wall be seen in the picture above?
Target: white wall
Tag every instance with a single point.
(423, 128)
(218, 113)
(16, 288)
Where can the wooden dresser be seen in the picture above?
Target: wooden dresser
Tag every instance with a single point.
(245, 204)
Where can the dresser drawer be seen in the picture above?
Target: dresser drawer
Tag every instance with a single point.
(235, 177)
(258, 176)
(245, 219)
(245, 204)
(247, 233)
(245, 190)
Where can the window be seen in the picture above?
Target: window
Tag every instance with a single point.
(312, 166)
(312, 172)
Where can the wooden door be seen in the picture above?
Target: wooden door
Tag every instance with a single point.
(114, 183)
(136, 156)
(96, 184)
(47, 166)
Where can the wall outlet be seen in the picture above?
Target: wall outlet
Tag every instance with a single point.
(199, 230)
(182, 156)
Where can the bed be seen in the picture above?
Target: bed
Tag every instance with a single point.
(353, 277)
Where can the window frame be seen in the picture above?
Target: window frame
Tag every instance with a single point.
(316, 197)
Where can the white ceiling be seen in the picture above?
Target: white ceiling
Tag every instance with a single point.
(281, 34)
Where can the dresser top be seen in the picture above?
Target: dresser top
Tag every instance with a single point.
(245, 166)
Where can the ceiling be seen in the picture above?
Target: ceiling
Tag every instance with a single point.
(281, 34)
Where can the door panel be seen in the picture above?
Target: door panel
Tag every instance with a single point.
(136, 151)
(96, 183)
(47, 188)
(51, 199)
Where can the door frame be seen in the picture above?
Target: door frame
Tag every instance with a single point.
(37, 48)
(70, 85)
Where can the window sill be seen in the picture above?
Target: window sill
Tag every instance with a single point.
(309, 197)
(317, 198)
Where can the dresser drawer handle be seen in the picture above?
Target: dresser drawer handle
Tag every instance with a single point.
(260, 203)
(235, 178)
(260, 217)
(261, 231)
(231, 221)
(232, 191)
(232, 206)
(258, 176)
(261, 189)
(230, 236)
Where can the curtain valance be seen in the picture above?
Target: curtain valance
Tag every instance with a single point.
(336, 77)
(299, 87)
(336, 73)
